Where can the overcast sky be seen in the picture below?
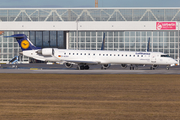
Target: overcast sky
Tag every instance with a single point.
(87, 3)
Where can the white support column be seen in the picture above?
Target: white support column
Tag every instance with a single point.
(67, 40)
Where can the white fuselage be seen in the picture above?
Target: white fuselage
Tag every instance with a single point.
(103, 57)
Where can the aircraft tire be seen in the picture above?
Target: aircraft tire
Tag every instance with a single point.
(82, 67)
(133, 68)
(86, 67)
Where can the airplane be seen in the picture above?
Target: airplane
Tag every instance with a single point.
(84, 58)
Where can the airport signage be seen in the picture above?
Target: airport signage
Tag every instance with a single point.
(165, 25)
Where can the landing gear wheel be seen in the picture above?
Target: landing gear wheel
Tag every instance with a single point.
(152, 68)
(86, 67)
(82, 67)
(131, 67)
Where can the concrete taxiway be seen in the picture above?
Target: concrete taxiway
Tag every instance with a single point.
(94, 69)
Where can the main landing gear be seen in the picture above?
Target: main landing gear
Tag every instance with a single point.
(83, 67)
(133, 68)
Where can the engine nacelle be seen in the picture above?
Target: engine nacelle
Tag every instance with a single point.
(46, 51)
(68, 65)
(124, 65)
(106, 66)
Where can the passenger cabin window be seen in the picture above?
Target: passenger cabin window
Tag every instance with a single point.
(81, 53)
(77, 53)
(69, 53)
(88, 53)
(84, 53)
(99, 54)
(73, 53)
(133, 55)
(94, 54)
(103, 54)
(106, 54)
(141, 55)
(110, 54)
(64, 53)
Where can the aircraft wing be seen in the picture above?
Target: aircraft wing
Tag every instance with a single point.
(83, 62)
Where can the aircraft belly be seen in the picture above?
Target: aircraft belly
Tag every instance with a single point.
(126, 61)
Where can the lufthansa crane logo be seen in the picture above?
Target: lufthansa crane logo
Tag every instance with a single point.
(24, 44)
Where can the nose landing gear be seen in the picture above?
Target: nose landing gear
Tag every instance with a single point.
(167, 67)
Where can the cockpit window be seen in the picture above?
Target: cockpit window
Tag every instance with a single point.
(165, 56)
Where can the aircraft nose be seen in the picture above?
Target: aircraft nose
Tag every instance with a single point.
(173, 62)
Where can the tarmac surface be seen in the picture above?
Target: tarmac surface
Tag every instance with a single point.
(94, 69)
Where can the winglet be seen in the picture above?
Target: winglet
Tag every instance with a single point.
(103, 42)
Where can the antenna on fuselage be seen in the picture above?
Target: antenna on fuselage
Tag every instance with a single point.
(103, 42)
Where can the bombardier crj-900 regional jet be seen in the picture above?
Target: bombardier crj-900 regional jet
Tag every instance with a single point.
(84, 58)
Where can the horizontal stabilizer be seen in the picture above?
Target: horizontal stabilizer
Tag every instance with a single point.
(17, 36)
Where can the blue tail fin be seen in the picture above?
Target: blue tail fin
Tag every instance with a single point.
(24, 42)
(103, 42)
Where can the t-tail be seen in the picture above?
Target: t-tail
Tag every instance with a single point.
(103, 42)
(24, 42)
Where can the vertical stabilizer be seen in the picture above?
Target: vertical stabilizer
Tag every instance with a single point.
(24, 42)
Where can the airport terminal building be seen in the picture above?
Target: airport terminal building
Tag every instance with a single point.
(126, 29)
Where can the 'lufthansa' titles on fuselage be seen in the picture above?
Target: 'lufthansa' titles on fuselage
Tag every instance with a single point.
(141, 53)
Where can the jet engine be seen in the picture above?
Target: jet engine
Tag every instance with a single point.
(46, 51)
(68, 65)
(106, 66)
(123, 65)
